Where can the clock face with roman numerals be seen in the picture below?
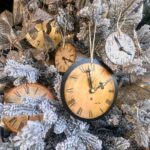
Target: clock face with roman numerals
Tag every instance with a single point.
(31, 90)
(65, 57)
(15, 95)
(88, 90)
(36, 37)
(15, 124)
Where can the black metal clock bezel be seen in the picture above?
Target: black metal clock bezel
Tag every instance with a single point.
(65, 77)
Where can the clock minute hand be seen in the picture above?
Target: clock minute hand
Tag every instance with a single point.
(102, 85)
(105, 83)
(120, 46)
(92, 90)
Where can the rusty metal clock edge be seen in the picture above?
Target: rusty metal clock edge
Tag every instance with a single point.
(67, 73)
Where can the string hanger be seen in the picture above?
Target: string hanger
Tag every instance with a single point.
(92, 43)
(64, 39)
(118, 20)
(63, 34)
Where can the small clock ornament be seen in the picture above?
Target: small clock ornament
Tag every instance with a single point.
(89, 88)
(15, 95)
(65, 57)
(120, 48)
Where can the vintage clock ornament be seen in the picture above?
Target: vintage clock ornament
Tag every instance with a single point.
(15, 95)
(66, 53)
(120, 48)
(89, 88)
(65, 56)
(36, 36)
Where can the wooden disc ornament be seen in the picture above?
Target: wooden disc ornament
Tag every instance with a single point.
(36, 36)
(15, 95)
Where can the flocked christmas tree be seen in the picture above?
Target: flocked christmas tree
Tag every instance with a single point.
(27, 56)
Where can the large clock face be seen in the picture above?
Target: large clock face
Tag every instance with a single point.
(88, 91)
(120, 48)
(15, 95)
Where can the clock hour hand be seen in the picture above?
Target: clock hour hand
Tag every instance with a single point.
(121, 48)
(65, 61)
(64, 58)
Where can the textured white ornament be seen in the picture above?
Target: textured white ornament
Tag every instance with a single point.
(120, 48)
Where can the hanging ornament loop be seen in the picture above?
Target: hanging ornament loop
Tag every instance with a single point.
(64, 40)
(118, 20)
(92, 43)
(63, 33)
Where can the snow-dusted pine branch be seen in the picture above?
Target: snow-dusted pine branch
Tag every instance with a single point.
(17, 70)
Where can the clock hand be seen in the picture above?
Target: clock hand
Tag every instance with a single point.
(121, 48)
(105, 83)
(65, 61)
(118, 43)
(92, 90)
(64, 58)
(102, 85)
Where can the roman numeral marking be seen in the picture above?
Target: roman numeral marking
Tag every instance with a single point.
(108, 102)
(72, 102)
(21, 125)
(70, 90)
(26, 88)
(44, 95)
(17, 94)
(36, 90)
(82, 69)
(74, 77)
(13, 121)
(90, 114)
(111, 91)
(101, 110)
(98, 103)
(79, 112)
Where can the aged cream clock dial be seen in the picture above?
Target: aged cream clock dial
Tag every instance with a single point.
(15, 124)
(15, 95)
(30, 90)
(120, 48)
(36, 36)
(65, 57)
(88, 90)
